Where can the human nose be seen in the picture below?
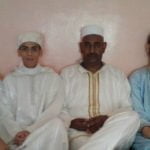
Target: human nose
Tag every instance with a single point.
(92, 48)
(29, 52)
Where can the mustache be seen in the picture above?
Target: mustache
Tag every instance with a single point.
(92, 55)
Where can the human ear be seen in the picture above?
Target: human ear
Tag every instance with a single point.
(80, 47)
(104, 46)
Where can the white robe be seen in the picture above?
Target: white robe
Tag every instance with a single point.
(1, 88)
(33, 99)
(114, 91)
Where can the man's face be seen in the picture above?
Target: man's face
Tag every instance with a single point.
(30, 53)
(92, 48)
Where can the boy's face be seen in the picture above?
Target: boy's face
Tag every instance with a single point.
(30, 53)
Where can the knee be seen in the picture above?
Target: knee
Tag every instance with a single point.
(133, 118)
(130, 117)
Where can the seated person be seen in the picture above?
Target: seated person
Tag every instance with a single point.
(33, 97)
(140, 94)
(97, 106)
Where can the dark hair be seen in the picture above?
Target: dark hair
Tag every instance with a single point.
(148, 39)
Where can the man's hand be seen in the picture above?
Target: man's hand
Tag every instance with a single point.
(95, 123)
(89, 125)
(146, 132)
(79, 124)
(21, 137)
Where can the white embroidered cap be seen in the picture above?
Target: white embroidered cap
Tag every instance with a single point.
(31, 37)
(91, 29)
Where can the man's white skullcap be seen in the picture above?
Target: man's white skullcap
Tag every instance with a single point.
(91, 29)
(31, 37)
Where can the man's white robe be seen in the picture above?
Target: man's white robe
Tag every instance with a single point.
(113, 92)
(32, 100)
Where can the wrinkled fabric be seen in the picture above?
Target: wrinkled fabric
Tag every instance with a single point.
(32, 99)
(1, 87)
(1, 95)
(119, 130)
(140, 94)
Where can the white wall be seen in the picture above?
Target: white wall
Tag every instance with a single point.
(126, 24)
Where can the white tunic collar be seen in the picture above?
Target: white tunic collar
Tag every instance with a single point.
(83, 70)
(29, 71)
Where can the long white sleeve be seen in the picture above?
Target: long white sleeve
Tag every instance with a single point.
(53, 104)
(65, 115)
(124, 101)
(7, 117)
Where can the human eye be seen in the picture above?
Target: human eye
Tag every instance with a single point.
(35, 49)
(97, 44)
(87, 44)
(23, 48)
